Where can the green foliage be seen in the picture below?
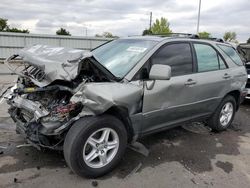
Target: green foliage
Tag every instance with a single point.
(3, 24)
(106, 35)
(4, 27)
(229, 36)
(15, 30)
(248, 41)
(146, 32)
(204, 35)
(161, 26)
(63, 31)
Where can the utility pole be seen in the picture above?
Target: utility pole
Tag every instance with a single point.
(199, 14)
(86, 31)
(150, 21)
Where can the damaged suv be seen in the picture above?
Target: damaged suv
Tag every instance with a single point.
(93, 104)
(244, 51)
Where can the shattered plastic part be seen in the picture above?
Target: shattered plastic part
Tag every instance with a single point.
(34, 107)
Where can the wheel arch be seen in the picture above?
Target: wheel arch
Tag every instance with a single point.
(122, 114)
(236, 95)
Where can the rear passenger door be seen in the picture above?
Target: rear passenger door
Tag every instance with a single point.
(212, 77)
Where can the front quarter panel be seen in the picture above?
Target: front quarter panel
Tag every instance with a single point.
(99, 97)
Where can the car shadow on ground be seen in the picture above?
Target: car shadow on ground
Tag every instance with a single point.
(193, 150)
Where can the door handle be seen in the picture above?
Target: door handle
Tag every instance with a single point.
(226, 76)
(190, 82)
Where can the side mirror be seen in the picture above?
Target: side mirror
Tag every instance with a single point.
(160, 72)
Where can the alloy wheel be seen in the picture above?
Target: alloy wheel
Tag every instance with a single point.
(101, 147)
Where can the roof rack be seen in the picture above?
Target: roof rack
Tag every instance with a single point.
(184, 35)
(214, 39)
(187, 35)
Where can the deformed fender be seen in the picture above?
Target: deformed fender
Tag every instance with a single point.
(99, 97)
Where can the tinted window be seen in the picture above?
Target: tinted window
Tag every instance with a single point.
(178, 56)
(231, 52)
(222, 63)
(207, 58)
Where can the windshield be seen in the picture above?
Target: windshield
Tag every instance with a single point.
(121, 55)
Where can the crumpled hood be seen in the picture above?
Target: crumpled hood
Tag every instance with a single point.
(58, 63)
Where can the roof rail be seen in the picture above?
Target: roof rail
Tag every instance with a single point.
(184, 35)
(214, 39)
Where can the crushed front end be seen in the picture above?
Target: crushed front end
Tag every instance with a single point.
(57, 86)
(40, 100)
(39, 113)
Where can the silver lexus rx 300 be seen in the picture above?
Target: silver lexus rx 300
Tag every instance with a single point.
(93, 104)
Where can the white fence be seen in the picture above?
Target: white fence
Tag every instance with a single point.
(10, 43)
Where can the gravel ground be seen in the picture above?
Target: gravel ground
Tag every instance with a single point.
(177, 158)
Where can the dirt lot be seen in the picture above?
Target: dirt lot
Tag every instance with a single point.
(177, 158)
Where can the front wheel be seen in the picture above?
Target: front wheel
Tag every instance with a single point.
(224, 114)
(94, 145)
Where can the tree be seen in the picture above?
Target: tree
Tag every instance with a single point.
(15, 30)
(106, 35)
(248, 41)
(161, 26)
(3, 24)
(63, 31)
(4, 27)
(147, 32)
(229, 36)
(204, 35)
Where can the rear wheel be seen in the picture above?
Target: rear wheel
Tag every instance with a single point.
(95, 145)
(224, 114)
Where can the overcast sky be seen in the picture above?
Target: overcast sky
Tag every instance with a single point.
(125, 18)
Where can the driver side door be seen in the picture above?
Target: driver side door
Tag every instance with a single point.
(168, 102)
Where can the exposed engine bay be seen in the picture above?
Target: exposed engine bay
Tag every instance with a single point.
(51, 104)
(46, 100)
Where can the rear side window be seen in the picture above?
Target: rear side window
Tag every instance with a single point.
(207, 58)
(231, 52)
(178, 56)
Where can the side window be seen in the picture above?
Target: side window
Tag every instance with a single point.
(222, 63)
(207, 58)
(178, 56)
(231, 52)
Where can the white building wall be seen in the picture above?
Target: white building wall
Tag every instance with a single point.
(10, 43)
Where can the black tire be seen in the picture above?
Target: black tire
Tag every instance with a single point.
(78, 136)
(214, 122)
